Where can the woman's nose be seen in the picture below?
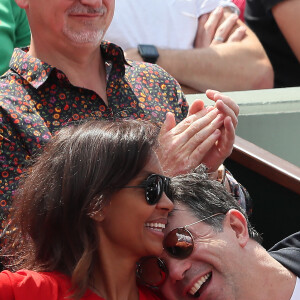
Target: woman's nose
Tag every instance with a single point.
(165, 203)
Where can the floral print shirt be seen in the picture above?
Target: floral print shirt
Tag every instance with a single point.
(37, 99)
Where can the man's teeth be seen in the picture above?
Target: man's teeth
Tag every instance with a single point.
(156, 226)
(198, 284)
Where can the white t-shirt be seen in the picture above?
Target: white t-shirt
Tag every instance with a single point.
(169, 24)
(296, 293)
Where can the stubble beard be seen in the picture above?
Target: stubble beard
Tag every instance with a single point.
(84, 36)
(88, 32)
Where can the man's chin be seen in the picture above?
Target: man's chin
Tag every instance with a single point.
(84, 39)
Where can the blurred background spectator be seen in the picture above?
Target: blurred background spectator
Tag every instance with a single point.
(277, 25)
(241, 5)
(14, 31)
(202, 43)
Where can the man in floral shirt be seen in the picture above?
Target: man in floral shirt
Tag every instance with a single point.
(69, 74)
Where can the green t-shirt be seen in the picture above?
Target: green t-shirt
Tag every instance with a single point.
(14, 31)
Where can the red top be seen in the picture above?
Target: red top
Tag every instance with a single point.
(30, 285)
(241, 5)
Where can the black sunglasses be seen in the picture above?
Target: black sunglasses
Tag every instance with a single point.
(178, 243)
(154, 187)
(151, 271)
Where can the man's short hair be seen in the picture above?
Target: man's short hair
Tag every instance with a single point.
(205, 197)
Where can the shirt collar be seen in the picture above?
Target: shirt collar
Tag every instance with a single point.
(36, 72)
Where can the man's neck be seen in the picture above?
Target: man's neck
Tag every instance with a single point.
(84, 66)
(269, 279)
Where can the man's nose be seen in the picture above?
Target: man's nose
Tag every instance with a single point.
(93, 3)
(177, 268)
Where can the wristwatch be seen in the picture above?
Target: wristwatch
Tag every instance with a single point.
(148, 53)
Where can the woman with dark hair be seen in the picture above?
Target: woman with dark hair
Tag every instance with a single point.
(90, 207)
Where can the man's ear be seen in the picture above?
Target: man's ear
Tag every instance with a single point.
(22, 3)
(238, 224)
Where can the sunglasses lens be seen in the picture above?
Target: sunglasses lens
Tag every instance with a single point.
(154, 189)
(179, 243)
(151, 271)
(168, 190)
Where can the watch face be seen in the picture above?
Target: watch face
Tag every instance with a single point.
(149, 53)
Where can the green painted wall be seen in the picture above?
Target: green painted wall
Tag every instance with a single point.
(278, 133)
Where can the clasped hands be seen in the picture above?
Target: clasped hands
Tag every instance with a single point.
(219, 27)
(206, 136)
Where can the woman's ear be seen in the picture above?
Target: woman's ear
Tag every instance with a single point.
(98, 216)
(98, 209)
(238, 224)
(22, 3)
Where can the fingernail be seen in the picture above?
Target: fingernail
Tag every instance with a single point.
(218, 9)
(220, 116)
(234, 16)
(217, 132)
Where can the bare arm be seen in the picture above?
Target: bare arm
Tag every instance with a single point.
(286, 14)
(232, 65)
(224, 66)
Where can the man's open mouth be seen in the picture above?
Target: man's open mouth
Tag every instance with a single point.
(196, 289)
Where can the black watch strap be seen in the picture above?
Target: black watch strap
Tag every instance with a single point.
(148, 53)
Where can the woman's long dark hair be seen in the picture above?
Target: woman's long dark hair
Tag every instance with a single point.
(71, 180)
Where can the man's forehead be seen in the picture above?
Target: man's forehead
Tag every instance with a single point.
(180, 217)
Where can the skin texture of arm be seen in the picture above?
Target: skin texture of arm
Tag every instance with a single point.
(286, 14)
(225, 66)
